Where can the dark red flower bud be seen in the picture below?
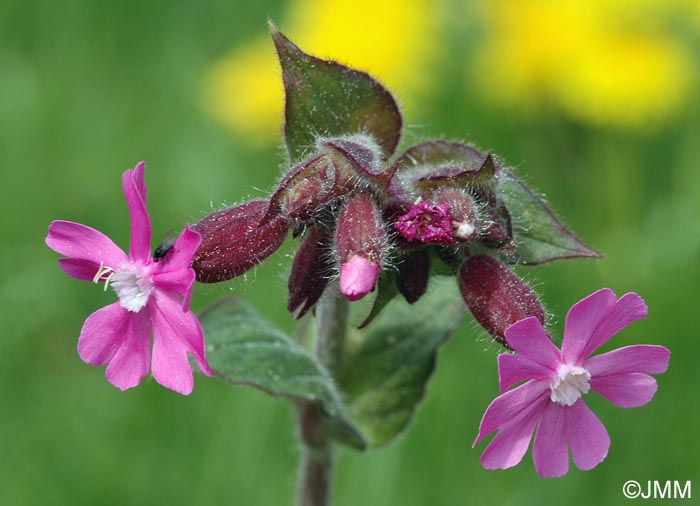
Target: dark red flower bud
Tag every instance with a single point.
(306, 188)
(414, 272)
(310, 272)
(234, 240)
(496, 297)
(361, 243)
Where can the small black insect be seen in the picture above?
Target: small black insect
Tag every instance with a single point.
(164, 247)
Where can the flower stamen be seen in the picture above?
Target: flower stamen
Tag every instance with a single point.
(105, 271)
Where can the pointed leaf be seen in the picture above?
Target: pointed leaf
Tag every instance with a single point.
(326, 99)
(385, 376)
(538, 234)
(245, 349)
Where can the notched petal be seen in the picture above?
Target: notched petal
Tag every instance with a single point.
(83, 243)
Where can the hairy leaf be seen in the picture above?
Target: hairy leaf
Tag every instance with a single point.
(385, 374)
(327, 99)
(538, 234)
(243, 348)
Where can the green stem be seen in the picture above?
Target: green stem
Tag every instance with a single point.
(331, 328)
(316, 465)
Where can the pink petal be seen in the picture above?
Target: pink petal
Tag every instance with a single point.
(173, 273)
(357, 277)
(549, 451)
(80, 242)
(595, 319)
(582, 320)
(629, 308)
(102, 334)
(528, 338)
(646, 358)
(80, 269)
(628, 390)
(510, 405)
(135, 194)
(180, 282)
(513, 369)
(175, 333)
(182, 252)
(588, 439)
(511, 442)
(130, 363)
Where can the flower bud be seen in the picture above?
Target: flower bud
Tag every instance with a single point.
(306, 188)
(234, 240)
(414, 272)
(310, 271)
(361, 245)
(496, 296)
(357, 277)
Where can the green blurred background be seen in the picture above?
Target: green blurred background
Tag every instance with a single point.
(87, 89)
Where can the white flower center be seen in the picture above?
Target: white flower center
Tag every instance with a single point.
(570, 383)
(132, 286)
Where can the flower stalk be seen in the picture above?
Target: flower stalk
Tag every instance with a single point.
(316, 463)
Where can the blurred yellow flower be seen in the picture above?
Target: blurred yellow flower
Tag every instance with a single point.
(611, 62)
(394, 40)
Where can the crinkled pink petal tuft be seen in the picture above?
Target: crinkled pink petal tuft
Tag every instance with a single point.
(427, 222)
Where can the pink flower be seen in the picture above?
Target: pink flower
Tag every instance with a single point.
(550, 402)
(427, 222)
(154, 295)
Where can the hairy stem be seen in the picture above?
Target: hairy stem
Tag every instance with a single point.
(332, 326)
(316, 466)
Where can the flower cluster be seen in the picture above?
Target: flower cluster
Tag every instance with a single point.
(364, 216)
(361, 215)
(369, 220)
